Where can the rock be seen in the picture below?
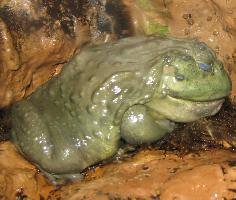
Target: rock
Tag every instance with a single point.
(18, 178)
(153, 174)
(38, 37)
(150, 174)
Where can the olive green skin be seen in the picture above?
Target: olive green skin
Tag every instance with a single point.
(134, 89)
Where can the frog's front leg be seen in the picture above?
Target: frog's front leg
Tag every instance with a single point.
(140, 125)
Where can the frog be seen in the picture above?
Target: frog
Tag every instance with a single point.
(135, 90)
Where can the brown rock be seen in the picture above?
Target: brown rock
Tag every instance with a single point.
(148, 175)
(18, 178)
(37, 37)
(190, 184)
(153, 174)
(33, 47)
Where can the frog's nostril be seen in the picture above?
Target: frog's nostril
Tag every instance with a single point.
(168, 59)
(179, 77)
(186, 57)
(205, 67)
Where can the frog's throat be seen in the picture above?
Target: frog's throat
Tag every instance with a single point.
(182, 110)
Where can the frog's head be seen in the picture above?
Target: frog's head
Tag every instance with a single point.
(193, 83)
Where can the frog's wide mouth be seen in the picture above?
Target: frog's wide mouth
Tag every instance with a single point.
(202, 102)
(184, 110)
(189, 110)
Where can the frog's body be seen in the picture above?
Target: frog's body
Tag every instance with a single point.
(135, 88)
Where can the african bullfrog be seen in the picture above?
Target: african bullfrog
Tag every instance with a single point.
(135, 89)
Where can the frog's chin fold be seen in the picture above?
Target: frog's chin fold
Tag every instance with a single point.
(180, 110)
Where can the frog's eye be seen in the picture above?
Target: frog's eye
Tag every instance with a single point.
(205, 67)
(201, 46)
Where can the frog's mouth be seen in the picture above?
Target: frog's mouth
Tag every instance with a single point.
(183, 110)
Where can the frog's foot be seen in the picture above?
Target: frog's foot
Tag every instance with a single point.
(125, 151)
(142, 125)
(61, 179)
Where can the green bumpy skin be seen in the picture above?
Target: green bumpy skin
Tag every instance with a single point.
(134, 89)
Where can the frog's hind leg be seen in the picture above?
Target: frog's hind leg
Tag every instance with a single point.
(30, 133)
(142, 125)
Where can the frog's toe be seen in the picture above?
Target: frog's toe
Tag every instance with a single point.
(60, 179)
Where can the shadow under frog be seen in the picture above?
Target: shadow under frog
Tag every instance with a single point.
(135, 89)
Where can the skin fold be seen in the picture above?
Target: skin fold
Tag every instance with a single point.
(135, 89)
